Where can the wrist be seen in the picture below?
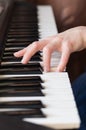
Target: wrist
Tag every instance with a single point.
(83, 33)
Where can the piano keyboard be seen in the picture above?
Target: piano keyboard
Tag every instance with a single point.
(25, 90)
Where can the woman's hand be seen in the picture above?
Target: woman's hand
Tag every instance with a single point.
(66, 42)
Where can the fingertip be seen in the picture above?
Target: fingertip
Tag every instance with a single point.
(23, 61)
(46, 69)
(15, 54)
(60, 69)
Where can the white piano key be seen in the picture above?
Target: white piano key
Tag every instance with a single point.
(46, 23)
(57, 121)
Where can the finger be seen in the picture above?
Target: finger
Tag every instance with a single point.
(20, 53)
(64, 59)
(47, 51)
(46, 59)
(54, 45)
(32, 49)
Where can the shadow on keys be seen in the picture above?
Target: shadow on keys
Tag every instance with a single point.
(15, 123)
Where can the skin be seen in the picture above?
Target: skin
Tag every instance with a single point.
(66, 42)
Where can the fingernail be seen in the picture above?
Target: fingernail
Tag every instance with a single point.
(15, 54)
(22, 61)
(58, 70)
(46, 69)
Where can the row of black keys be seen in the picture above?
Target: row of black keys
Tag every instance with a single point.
(21, 86)
(22, 30)
(16, 39)
(24, 20)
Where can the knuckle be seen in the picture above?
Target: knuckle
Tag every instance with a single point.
(35, 45)
(58, 38)
(47, 49)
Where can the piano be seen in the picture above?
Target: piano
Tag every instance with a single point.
(27, 92)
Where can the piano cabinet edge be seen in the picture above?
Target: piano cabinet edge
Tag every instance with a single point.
(76, 65)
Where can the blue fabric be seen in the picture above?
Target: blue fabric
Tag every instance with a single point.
(79, 90)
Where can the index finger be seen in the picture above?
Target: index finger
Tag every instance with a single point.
(32, 49)
(64, 59)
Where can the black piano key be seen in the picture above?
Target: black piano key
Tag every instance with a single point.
(24, 9)
(18, 68)
(24, 13)
(25, 87)
(29, 79)
(19, 65)
(15, 59)
(23, 25)
(21, 70)
(30, 14)
(10, 64)
(18, 30)
(26, 30)
(12, 49)
(9, 53)
(4, 86)
(14, 40)
(24, 113)
(9, 45)
(11, 58)
(18, 11)
(21, 39)
(22, 33)
(22, 36)
(23, 19)
(20, 92)
(22, 104)
(17, 44)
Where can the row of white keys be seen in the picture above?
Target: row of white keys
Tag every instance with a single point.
(60, 108)
(61, 111)
(47, 27)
